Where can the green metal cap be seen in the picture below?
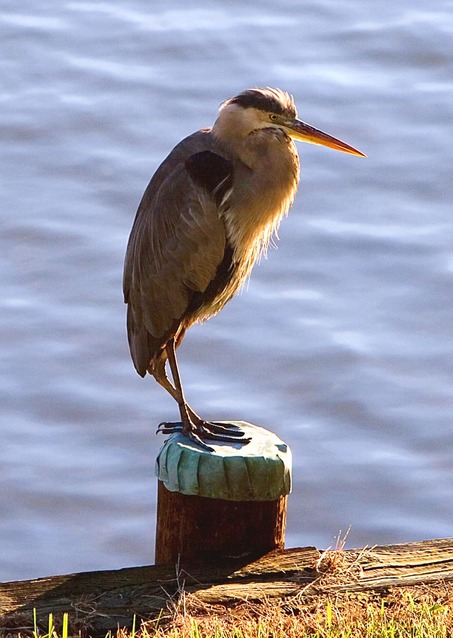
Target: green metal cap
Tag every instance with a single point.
(258, 471)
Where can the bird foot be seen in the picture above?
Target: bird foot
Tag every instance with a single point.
(211, 430)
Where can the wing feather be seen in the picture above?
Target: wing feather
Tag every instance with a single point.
(175, 249)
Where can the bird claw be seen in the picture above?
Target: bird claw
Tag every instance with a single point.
(230, 430)
(169, 428)
(211, 430)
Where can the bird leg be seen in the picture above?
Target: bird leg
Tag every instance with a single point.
(191, 424)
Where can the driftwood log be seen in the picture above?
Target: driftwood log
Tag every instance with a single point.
(104, 600)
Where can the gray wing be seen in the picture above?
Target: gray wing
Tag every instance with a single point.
(176, 246)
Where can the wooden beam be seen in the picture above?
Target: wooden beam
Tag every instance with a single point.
(103, 600)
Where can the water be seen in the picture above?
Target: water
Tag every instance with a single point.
(342, 342)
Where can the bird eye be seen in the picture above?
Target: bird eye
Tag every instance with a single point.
(272, 117)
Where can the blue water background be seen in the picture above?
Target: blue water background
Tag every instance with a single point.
(342, 342)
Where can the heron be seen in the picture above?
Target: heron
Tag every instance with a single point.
(208, 213)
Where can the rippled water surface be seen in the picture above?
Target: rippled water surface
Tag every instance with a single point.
(342, 342)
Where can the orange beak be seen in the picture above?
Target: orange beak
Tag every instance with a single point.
(305, 133)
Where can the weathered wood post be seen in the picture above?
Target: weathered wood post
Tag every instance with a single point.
(224, 504)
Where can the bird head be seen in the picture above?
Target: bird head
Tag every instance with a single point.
(273, 108)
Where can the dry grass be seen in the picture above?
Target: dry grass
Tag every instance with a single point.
(322, 609)
(420, 612)
(317, 611)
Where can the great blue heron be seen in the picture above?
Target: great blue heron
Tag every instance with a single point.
(208, 212)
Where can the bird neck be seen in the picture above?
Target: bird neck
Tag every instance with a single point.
(266, 176)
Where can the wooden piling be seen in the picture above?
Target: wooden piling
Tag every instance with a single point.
(221, 505)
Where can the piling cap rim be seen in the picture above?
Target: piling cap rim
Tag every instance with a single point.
(258, 471)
